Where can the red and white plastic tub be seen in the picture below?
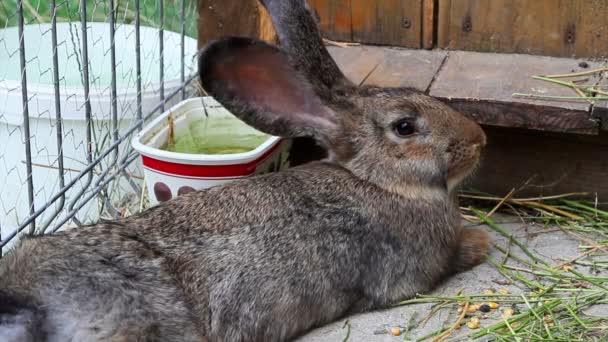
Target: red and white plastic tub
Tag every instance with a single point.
(170, 174)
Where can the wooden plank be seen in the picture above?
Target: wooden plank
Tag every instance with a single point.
(357, 62)
(380, 22)
(407, 68)
(387, 22)
(217, 19)
(335, 18)
(428, 24)
(388, 67)
(266, 29)
(443, 23)
(498, 76)
(483, 84)
(549, 27)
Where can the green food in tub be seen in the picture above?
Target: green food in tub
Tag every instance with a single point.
(216, 136)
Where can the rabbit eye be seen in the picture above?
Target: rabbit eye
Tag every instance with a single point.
(404, 128)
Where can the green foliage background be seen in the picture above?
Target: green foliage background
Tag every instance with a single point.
(38, 11)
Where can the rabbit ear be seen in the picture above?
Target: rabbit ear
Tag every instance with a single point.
(256, 82)
(299, 35)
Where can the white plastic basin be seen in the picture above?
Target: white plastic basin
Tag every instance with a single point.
(13, 186)
(170, 174)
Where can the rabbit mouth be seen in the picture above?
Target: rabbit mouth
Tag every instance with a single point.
(462, 165)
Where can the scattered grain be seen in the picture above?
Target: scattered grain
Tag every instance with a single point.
(473, 323)
(508, 312)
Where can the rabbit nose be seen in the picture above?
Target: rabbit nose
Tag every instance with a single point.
(473, 133)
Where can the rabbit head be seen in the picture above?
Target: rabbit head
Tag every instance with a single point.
(398, 138)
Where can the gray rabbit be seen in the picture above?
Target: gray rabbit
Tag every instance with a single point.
(270, 257)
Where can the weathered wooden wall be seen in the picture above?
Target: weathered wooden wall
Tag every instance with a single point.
(219, 18)
(564, 28)
(383, 22)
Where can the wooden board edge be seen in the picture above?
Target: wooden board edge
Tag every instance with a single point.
(526, 116)
(600, 110)
(600, 113)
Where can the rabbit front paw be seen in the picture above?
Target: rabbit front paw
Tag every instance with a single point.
(472, 249)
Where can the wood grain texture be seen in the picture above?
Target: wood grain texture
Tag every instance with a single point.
(380, 22)
(428, 24)
(388, 67)
(335, 18)
(220, 18)
(565, 28)
(387, 22)
(407, 68)
(266, 29)
(496, 77)
(217, 19)
(491, 79)
(357, 62)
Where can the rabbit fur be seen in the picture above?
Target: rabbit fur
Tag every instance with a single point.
(268, 258)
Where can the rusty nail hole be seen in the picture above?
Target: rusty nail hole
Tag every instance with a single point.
(570, 37)
(467, 26)
(406, 23)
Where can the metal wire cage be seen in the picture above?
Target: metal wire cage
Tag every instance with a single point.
(77, 79)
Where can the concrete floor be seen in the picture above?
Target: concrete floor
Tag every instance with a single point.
(552, 246)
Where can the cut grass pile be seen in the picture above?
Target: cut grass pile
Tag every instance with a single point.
(556, 300)
(581, 83)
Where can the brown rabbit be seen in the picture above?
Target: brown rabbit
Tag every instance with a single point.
(270, 257)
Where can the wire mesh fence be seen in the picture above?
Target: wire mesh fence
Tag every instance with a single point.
(77, 80)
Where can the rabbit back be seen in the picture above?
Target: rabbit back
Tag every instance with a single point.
(317, 244)
(304, 247)
(97, 283)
